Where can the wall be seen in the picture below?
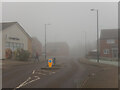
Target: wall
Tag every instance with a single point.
(104, 45)
(14, 31)
(0, 44)
(30, 45)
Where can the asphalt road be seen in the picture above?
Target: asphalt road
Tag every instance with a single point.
(70, 74)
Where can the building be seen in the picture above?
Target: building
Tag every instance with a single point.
(119, 43)
(36, 46)
(109, 43)
(57, 49)
(13, 37)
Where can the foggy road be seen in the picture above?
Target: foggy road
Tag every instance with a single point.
(74, 34)
(71, 74)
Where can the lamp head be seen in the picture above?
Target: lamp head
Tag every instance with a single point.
(48, 24)
(92, 9)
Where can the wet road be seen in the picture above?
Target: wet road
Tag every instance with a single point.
(71, 74)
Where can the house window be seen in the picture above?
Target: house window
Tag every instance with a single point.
(106, 51)
(110, 41)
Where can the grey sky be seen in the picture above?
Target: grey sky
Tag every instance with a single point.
(68, 20)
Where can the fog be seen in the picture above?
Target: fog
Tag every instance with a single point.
(73, 23)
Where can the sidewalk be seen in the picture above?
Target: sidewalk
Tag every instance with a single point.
(13, 63)
(115, 63)
(107, 77)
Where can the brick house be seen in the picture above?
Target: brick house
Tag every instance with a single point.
(109, 43)
(57, 49)
(36, 46)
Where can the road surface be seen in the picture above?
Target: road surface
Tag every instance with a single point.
(70, 74)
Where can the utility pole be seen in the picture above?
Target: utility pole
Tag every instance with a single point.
(84, 35)
(85, 44)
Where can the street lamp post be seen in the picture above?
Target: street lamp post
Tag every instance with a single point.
(45, 39)
(97, 33)
(85, 42)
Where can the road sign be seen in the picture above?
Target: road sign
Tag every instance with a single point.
(54, 61)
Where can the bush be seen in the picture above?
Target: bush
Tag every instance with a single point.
(22, 55)
(8, 53)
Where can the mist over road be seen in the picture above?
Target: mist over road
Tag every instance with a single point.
(71, 74)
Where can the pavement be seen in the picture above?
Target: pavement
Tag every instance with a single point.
(9, 63)
(72, 73)
(109, 62)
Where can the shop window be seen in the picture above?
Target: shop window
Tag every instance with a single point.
(13, 46)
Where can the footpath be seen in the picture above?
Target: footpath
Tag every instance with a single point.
(14, 63)
(107, 77)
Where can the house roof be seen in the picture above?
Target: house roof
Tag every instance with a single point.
(109, 34)
(56, 44)
(8, 24)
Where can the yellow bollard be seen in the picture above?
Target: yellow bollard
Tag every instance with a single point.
(50, 63)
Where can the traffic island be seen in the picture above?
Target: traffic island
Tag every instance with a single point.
(52, 68)
(51, 64)
(47, 68)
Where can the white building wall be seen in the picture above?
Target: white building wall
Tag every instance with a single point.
(14, 31)
(0, 44)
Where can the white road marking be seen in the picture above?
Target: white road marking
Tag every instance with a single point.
(50, 73)
(33, 72)
(84, 82)
(23, 83)
(42, 73)
(93, 74)
(37, 78)
(45, 71)
(37, 72)
(26, 82)
(53, 72)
